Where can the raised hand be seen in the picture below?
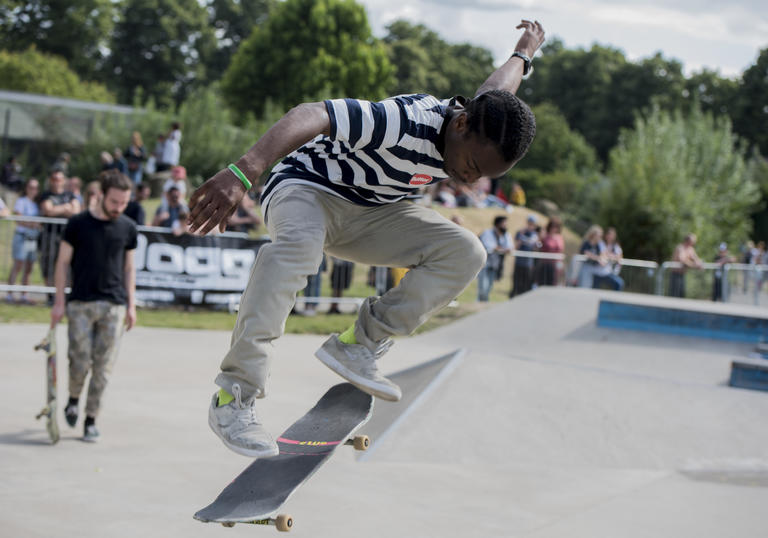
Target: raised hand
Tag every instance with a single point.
(532, 38)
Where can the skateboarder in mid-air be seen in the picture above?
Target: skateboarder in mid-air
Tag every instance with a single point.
(346, 167)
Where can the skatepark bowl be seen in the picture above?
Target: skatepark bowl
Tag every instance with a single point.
(561, 413)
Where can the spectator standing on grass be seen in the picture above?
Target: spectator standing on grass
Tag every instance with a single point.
(245, 218)
(497, 243)
(11, 179)
(154, 162)
(134, 210)
(75, 186)
(526, 240)
(685, 254)
(167, 216)
(606, 273)
(551, 243)
(24, 243)
(313, 288)
(721, 258)
(107, 161)
(61, 164)
(178, 180)
(590, 249)
(171, 148)
(135, 155)
(98, 247)
(121, 165)
(92, 197)
(59, 203)
(341, 280)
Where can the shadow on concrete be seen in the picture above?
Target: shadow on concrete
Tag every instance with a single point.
(25, 437)
(416, 383)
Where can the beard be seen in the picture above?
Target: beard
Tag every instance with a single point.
(111, 215)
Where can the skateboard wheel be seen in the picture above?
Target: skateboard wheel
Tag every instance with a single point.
(228, 524)
(284, 522)
(361, 442)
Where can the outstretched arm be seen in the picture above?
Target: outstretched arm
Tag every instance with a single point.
(508, 76)
(217, 199)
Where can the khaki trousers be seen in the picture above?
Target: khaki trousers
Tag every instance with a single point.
(304, 221)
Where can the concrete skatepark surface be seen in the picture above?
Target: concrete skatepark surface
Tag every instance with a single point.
(548, 427)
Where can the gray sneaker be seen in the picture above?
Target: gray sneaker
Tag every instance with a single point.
(239, 428)
(357, 364)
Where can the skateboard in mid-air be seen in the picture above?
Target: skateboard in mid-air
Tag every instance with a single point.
(258, 493)
(48, 345)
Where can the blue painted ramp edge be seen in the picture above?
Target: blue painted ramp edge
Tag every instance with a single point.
(745, 375)
(620, 315)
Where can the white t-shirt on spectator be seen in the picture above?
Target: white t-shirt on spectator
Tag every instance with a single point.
(172, 148)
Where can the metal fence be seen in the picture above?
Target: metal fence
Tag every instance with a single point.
(341, 286)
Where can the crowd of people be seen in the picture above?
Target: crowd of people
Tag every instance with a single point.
(64, 196)
(529, 270)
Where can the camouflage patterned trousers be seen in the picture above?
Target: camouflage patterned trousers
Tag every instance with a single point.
(95, 328)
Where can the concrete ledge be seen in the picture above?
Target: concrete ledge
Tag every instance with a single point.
(749, 375)
(698, 321)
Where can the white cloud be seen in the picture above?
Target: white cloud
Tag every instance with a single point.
(700, 33)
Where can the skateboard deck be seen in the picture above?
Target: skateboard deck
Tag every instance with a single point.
(259, 492)
(48, 344)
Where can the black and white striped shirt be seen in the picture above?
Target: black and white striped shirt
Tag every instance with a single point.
(377, 153)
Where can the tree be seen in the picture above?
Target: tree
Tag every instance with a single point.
(233, 21)
(35, 72)
(712, 92)
(560, 165)
(159, 50)
(307, 49)
(425, 63)
(599, 91)
(674, 175)
(751, 116)
(76, 30)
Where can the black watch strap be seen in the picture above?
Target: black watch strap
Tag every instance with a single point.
(526, 61)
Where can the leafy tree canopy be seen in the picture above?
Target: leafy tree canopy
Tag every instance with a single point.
(233, 21)
(36, 72)
(160, 49)
(674, 175)
(424, 63)
(751, 117)
(307, 49)
(76, 30)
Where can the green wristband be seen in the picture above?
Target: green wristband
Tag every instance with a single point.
(240, 176)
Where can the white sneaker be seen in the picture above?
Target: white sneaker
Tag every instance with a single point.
(357, 364)
(239, 428)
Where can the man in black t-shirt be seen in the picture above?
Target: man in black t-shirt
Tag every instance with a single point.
(98, 245)
(55, 202)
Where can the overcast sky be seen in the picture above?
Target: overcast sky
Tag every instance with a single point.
(722, 36)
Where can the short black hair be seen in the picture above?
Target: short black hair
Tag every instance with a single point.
(503, 119)
(498, 220)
